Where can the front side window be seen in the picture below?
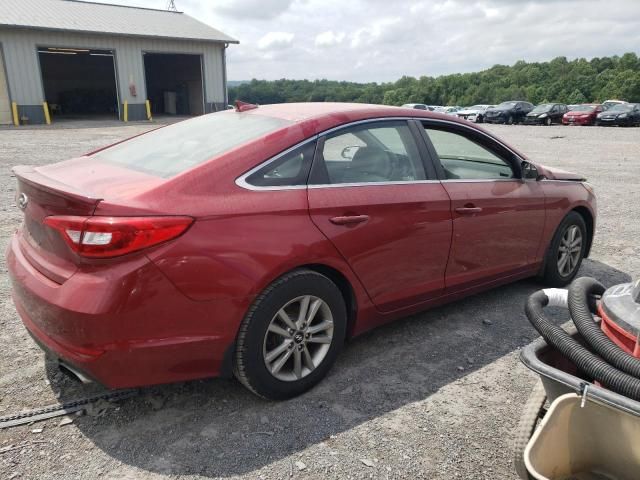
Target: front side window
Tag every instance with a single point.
(374, 153)
(464, 159)
(287, 170)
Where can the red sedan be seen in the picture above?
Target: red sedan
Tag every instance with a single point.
(256, 241)
(584, 114)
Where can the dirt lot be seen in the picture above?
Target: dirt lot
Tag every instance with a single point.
(435, 396)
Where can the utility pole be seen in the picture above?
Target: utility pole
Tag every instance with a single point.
(171, 6)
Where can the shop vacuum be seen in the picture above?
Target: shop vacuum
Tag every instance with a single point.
(608, 321)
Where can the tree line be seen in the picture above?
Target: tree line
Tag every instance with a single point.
(560, 80)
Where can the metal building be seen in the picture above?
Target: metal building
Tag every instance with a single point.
(75, 59)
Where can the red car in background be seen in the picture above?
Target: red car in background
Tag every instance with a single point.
(256, 241)
(584, 114)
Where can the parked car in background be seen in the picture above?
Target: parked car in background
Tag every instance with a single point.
(546, 114)
(622, 114)
(449, 109)
(584, 114)
(256, 241)
(474, 113)
(607, 104)
(418, 106)
(508, 112)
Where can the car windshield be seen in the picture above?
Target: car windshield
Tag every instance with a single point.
(621, 107)
(507, 105)
(582, 108)
(545, 107)
(171, 150)
(477, 107)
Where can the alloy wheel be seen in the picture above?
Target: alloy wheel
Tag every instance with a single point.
(569, 250)
(298, 338)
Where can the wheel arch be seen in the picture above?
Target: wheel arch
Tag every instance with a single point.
(587, 216)
(345, 287)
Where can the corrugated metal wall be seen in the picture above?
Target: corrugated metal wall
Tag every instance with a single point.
(23, 67)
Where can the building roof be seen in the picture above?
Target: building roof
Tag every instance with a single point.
(88, 17)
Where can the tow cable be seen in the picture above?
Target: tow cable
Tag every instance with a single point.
(60, 409)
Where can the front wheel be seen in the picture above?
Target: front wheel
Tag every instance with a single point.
(291, 335)
(509, 120)
(566, 251)
(547, 122)
(479, 119)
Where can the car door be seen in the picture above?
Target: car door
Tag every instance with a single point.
(388, 216)
(498, 217)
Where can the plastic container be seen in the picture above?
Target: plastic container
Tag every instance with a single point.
(596, 442)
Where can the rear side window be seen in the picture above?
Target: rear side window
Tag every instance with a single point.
(171, 150)
(373, 153)
(288, 170)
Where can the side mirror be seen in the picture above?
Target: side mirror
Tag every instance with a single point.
(529, 171)
(348, 152)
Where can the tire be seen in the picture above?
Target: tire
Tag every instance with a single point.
(509, 120)
(548, 122)
(256, 340)
(557, 274)
(532, 413)
(479, 119)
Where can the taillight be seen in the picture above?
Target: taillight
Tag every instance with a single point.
(105, 237)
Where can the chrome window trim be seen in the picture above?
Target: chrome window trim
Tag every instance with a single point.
(370, 184)
(480, 180)
(241, 181)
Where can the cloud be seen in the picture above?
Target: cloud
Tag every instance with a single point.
(329, 39)
(380, 40)
(276, 41)
(252, 9)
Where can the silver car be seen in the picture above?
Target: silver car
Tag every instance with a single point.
(474, 114)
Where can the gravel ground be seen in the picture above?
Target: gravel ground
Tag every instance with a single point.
(434, 396)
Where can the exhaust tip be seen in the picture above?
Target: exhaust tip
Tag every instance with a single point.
(74, 374)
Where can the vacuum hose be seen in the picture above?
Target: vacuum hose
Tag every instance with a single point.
(591, 364)
(580, 293)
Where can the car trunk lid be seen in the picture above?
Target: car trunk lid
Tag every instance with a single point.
(71, 188)
(40, 196)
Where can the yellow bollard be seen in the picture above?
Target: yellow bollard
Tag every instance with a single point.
(148, 104)
(14, 111)
(125, 116)
(47, 116)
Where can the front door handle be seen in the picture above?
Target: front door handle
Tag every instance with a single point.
(468, 210)
(349, 219)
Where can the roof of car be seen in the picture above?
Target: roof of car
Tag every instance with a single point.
(340, 112)
(315, 118)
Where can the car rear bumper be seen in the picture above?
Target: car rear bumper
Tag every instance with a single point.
(124, 325)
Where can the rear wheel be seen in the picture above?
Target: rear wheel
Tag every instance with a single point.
(566, 251)
(291, 335)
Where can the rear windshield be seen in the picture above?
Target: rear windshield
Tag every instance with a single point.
(171, 150)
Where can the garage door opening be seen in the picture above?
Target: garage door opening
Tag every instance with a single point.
(79, 83)
(174, 83)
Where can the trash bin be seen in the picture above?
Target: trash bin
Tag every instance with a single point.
(594, 442)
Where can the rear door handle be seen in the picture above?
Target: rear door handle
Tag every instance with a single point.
(349, 219)
(468, 210)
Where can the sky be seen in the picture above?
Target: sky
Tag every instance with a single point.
(382, 40)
